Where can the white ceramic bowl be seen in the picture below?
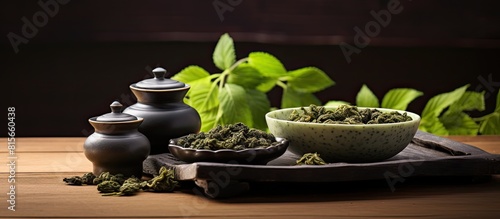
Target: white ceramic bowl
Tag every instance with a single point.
(341, 142)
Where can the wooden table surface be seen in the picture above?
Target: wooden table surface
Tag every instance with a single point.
(42, 163)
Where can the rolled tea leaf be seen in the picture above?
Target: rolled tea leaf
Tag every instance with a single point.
(164, 182)
(108, 186)
(75, 180)
(310, 159)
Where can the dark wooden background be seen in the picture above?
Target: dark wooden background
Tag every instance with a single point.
(90, 51)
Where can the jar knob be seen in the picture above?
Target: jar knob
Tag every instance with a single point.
(116, 107)
(159, 82)
(159, 73)
(116, 114)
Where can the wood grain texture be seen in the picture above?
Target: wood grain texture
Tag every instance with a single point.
(59, 144)
(41, 193)
(45, 195)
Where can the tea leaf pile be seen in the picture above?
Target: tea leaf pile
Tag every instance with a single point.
(236, 137)
(118, 185)
(346, 114)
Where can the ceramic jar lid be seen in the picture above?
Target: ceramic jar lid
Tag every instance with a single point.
(159, 81)
(116, 114)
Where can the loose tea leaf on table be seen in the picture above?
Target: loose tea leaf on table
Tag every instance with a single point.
(164, 182)
(75, 180)
(108, 186)
(310, 159)
(106, 176)
(130, 186)
(346, 114)
(86, 179)
(118, 185)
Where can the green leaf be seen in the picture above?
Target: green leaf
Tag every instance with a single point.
(491, 126)
(497, 108)
(433, 125)
(293, 98)
(433, 109)
(438, 103)
(337, 103)
(246, 76)
(308, 79)
(366, 98)
(233, 106)
(259, 105)
(267, 64)
(191, 73)
(208, 119)
(267, 84)
(203, 95)
(469, 101)
(459, 124)
(224, 55)
(399, 98)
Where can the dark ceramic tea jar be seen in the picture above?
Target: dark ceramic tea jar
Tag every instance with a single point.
(166, 116)
(116, 146)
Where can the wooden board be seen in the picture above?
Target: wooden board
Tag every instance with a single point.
(426, 155)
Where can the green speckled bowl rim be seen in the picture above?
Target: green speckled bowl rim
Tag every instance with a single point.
(415, 117)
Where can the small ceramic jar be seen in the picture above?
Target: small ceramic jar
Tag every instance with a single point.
(117, 146)
(166, 116)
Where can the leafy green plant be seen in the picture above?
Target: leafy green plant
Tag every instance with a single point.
(454, 120)
(397, 98)
(238, 93)
(489, 124)
(444, 114)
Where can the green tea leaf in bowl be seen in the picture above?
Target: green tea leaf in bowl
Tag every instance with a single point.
(235, 144)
